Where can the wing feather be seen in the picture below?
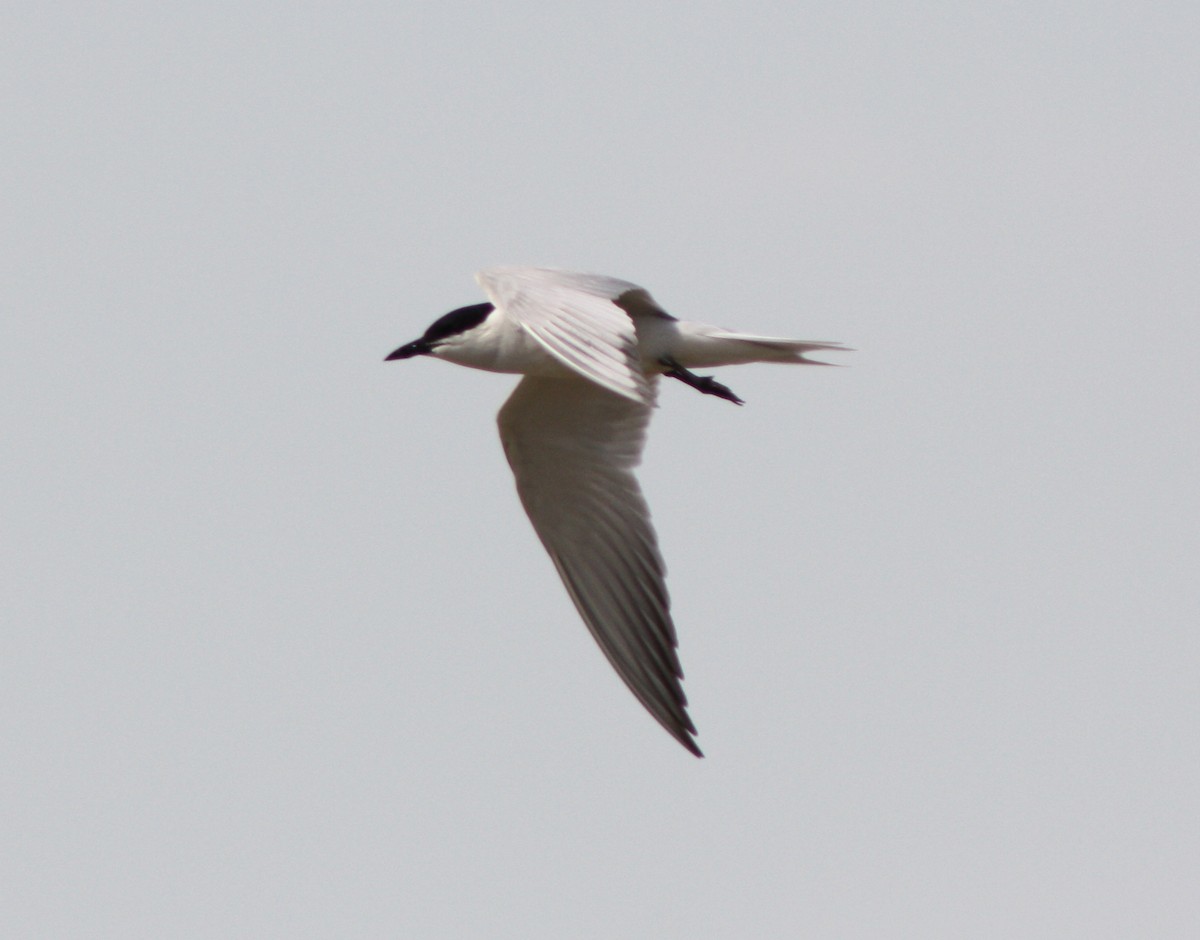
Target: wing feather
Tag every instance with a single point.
(576, 319)
(573, 446)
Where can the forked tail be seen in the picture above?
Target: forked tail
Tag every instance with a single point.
(709, 346)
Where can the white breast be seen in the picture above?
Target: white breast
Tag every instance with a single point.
(499, 345)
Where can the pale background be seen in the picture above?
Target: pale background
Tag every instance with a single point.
(282, 657)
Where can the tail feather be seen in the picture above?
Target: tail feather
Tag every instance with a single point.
(710, 347)
(788, 350)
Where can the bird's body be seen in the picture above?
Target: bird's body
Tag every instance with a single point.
(591, 349)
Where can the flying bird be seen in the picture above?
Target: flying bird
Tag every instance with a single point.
(591, 349)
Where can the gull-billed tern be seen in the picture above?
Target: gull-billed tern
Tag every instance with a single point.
(591, 349)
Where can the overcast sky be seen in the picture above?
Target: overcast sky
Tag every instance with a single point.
(282, 657)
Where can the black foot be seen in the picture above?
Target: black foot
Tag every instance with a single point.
(702, 383)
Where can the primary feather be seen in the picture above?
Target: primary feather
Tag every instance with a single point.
(572, 447)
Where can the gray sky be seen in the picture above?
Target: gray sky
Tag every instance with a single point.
(281, 655)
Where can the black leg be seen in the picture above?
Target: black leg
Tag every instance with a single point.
(702, 383)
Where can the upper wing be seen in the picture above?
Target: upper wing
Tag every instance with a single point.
(572, 447)
(576, 319)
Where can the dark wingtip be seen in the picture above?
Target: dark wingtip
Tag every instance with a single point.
(684, 732)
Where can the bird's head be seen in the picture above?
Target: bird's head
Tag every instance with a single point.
(444, 331)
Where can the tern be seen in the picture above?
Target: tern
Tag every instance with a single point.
(591, 349)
